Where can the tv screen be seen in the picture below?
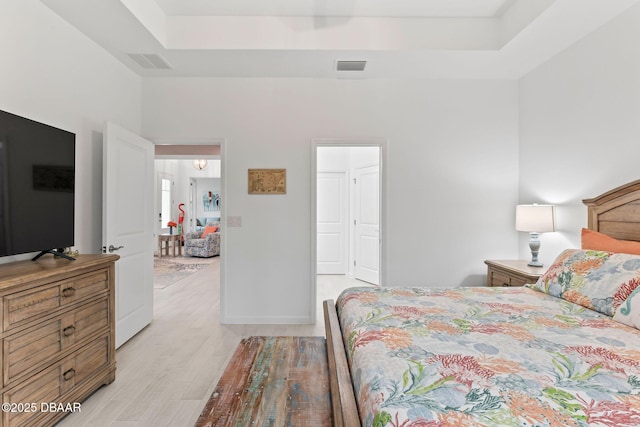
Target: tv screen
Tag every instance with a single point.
(37, 181)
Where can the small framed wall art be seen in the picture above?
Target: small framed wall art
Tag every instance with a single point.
(267, 181)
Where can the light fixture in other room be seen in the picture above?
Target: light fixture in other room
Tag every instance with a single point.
(535, 219)
(200, 164)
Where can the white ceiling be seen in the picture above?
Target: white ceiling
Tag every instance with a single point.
(304, 38)
(382, 8)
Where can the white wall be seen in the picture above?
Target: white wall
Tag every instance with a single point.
(53, 74)
(452, 176)
(580, 127)
(332, 159)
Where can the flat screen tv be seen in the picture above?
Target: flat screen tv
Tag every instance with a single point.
(37, 182)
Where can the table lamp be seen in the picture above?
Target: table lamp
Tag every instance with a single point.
(535, 219)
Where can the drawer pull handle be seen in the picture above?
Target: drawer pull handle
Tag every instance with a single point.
(69, 374)
(68, 292)
(69, 330)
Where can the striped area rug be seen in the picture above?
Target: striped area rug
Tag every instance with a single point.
(272, 381)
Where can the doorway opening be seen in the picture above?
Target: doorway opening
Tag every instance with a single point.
(188, 178)
(347, 214)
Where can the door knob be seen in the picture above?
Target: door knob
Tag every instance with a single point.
(114, 248)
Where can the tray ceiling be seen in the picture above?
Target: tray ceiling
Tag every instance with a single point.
(307, 38)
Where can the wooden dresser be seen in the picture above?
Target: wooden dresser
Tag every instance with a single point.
(511, 273)
(58, 335)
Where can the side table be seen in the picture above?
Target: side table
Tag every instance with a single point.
(173, 240)
(511, 273)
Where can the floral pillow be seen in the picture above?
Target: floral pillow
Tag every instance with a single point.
(599, 280)
(629, 311)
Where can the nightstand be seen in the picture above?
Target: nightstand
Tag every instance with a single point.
(511, 273)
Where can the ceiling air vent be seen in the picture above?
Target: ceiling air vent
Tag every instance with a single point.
(350, 65)
(150, 61)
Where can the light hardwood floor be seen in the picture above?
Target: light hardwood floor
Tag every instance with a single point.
(167, 372)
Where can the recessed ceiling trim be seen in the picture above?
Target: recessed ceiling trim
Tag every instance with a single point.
(150, 61)
(508, 45)
(398, 8)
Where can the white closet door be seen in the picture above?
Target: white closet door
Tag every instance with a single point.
(332, 223)
(367, 226)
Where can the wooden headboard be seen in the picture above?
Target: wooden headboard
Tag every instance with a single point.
(616, 213)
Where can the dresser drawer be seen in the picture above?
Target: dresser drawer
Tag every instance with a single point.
(83, 286)
(27, 350)
(22, 307)
(498, 278)
(51, 384)
(519, 281)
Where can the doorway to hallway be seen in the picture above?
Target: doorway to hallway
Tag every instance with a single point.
(348, 235)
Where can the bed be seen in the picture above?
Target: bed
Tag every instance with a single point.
(562, 352)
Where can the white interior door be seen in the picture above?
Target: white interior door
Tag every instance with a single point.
(332, 223)
(367, 224)
(128, 226)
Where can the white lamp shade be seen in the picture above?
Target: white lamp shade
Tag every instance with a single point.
(535, 218)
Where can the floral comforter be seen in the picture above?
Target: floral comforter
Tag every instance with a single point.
(487, 357)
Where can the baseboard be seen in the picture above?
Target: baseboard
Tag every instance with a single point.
(267, 320)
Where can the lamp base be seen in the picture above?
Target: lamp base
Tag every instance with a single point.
(534, 245)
